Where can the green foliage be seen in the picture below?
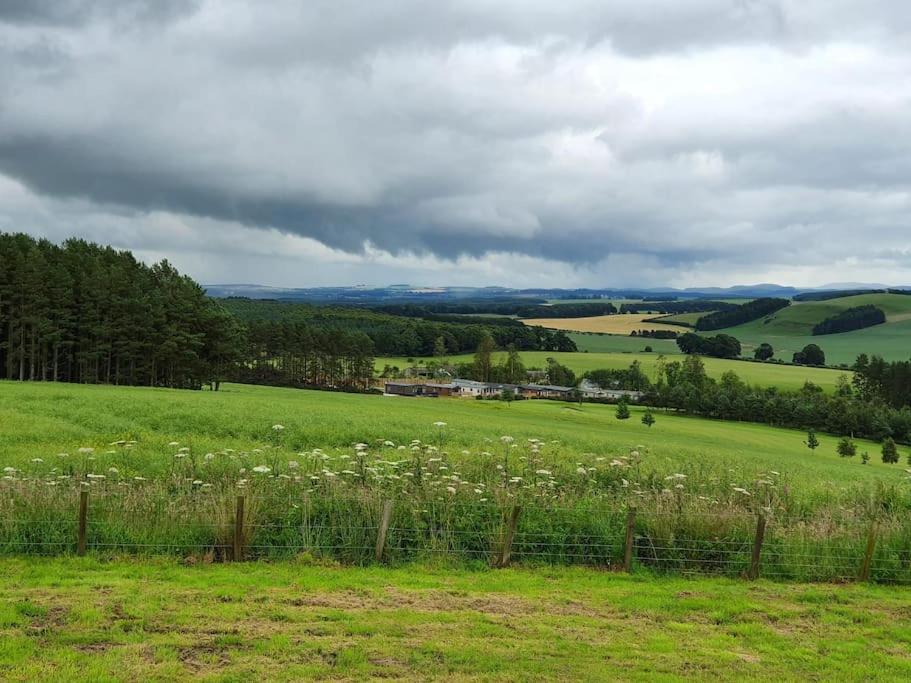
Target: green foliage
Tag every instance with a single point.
(810, 355)
(812, 441)
(719, 346)
(560, 375)
(90, 314)
(850, 319)
(752, 310)
(648, 418)
(889, 451)
(846, 447)
(622, 411)
(764, 351)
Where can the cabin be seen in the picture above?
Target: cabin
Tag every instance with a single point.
(547, 391)
(439, 389)
(591, 390)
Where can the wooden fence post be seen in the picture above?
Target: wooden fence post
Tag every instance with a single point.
(383, 528)
(509, 536)
(83, 522)
(628, 542)
(753, 574)
(239, 529)
(868, 553)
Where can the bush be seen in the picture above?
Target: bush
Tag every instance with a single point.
(846, 447)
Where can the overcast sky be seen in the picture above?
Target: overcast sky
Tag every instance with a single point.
(515, 142)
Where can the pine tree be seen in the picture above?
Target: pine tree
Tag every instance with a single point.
(890, 451)
(648, 419)
(812, 442)
(623, 410)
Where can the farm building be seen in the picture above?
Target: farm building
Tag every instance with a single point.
(438, 389)
(404, 389)
(546, 391)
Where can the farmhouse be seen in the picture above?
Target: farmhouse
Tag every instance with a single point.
(404, 389)
(546, 391)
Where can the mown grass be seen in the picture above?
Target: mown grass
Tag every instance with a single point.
(589, 342)
(81, 619)
(790, 377)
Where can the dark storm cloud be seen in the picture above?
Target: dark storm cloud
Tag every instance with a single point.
(678, 133)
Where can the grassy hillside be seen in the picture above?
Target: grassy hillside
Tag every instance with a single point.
(789, 330)
(615, 343)
(782, 376)
(70, 619)
(42, 420)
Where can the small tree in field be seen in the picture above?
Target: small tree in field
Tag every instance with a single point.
(846, 447)
(623, 410)
(865, 457)
(890, 452)
(648, 419)
(812, 442)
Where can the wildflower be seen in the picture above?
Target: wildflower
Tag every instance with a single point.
(506, 439)
(581, 470)
(183, 450)
(361, 447)
(180, 455)
(37, 460)
(113, 470)
(439, 424)
(278, 428)
(388, 444)
(624, 483)
(9, 470)
(293, 464)
(63, 455)
(95, 476)
(208, 457)
(139, 478)
(85, 450)
(174, 443)
(197, 482)
(451, 489)
(262, 469)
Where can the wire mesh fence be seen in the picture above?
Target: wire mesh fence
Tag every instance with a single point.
(736, 544)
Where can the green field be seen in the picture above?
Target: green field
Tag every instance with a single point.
(70, 619)
(593, 342)
(763, 374)
(41, 420)
(789, 329)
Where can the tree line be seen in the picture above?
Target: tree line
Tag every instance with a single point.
(80, 312)
(738, 315)
(855, 318)
(395, 335)
(519, 308)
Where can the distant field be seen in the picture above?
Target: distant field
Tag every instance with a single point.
(608, 324)
(621, 343)
(789, 329)
(82, 619)
(688, 318)
(764, 374)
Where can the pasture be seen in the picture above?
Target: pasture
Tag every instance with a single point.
(78, 618)
(592, 342)
(762, 374)
(789, 329)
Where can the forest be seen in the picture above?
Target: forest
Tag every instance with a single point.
(850, 319)
(80, 312)
(520, 308)
(395, 335)
(752, 310)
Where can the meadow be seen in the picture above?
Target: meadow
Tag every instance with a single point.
(762, 374)
(80, 618)
(163, 469)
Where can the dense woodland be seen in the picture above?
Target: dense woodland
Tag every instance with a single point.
(719, 346)
(84, 313)
(748, 312)
(850, 319)
(394, 335)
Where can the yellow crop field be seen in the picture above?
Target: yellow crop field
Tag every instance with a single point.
(607, 324)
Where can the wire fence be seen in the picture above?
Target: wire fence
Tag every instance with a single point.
(737, 544)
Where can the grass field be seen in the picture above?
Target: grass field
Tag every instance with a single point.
(70, 619)
(41, 420)
(606, 324)
(615, 343)
(789, 329)
(764, 374)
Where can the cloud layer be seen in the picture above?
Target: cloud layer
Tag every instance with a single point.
(645, 142)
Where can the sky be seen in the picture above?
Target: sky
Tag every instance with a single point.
(524, 143)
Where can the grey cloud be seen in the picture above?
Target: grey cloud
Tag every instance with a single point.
(466, 128)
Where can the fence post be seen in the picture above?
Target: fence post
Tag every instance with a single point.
(83, 522)
(628, 542)
(509, 536)
(383, 528)
(757, 547)
(868, 553)
(239, 529)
